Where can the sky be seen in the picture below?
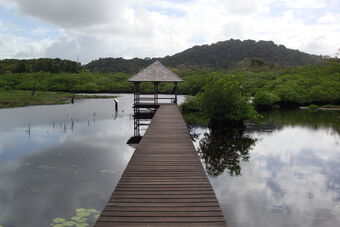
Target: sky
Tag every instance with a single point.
(85, 30)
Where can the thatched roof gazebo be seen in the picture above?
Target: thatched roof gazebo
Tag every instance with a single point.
(145, 106)
(155, 73)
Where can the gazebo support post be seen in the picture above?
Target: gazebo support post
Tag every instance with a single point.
(176, 92)
(136, 95)
(155, 95)
(136, 92)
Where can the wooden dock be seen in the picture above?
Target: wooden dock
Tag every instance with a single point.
(164, 183)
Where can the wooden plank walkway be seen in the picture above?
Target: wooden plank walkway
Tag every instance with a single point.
(164, 183)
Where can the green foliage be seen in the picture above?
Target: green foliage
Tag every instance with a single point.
(191, 105)
(36, 65)
(220, 100)
(223, 99)
(313, 107)
(15, 98)
(67, 82)
(265, 99)
(303, 85)
(191, 110)
(115, 65)
(82, 219)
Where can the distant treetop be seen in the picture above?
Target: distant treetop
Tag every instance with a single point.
(36, 65)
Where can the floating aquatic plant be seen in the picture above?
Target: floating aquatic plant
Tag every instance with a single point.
(83, 214)
(69, 223)
(59, 220)
(58, 225)
(80, 220)
(92, 210)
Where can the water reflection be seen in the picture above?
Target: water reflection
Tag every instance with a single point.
(224, 150)
(291, 177)
(303, 118)
(71, 159)
(58, 158)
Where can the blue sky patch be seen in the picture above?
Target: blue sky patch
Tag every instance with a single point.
(168, 11)
(25, 26)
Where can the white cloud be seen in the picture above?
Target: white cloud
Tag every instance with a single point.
(303, 4)
(8, 4)
(147, 28)
(12, 46)
(73, 14)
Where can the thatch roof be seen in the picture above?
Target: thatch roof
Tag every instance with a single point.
(156, 72)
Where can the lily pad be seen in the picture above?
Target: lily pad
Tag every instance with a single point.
(92, 210)
(78, 219)
(96, 216)
(83, 214)
(80, 210)
(59, 220)
(82, 224)
(69, 223)
(58, 225)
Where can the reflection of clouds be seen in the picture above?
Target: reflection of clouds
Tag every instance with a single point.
(57, 172)
(82, 110)
(2, 145)
(74, 181)
(52, 172)
(290, 141)
(292, 179)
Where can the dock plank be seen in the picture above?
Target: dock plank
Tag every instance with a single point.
(164, 183)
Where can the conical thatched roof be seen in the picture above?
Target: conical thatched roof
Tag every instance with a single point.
(156, 72)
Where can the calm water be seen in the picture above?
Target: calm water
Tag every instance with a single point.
(282, 172)
(285, 170)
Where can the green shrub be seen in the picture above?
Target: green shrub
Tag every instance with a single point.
(223, 100)
(191, 105)
(265, 99)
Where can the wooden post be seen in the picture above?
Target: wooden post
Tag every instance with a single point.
(116, 104)
(136, 93)
(136, 96)
(72, 101)
(176, 91)
(155, 95)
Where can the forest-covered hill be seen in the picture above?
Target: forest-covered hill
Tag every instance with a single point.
(220, 55)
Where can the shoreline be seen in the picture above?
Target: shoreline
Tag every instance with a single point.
(23, 98)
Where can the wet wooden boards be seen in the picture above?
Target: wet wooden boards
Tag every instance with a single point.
(164, 183)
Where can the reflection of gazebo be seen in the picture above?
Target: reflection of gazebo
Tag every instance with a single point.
(145, 105)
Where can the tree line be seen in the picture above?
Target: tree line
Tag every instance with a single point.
(56, 65)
